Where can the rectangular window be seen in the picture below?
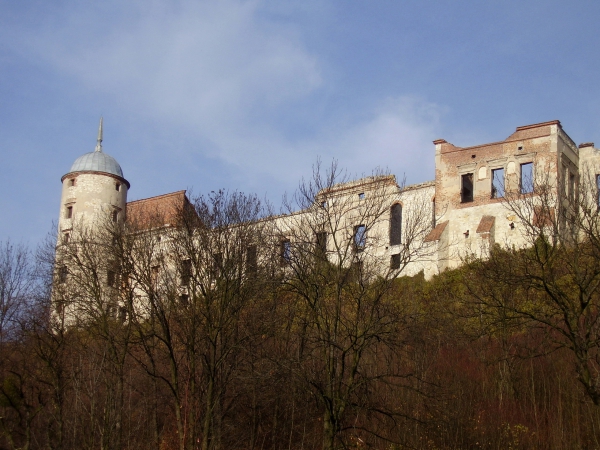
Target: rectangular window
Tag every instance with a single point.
(251, 260)
(217, 264)
(66, 237)
(285, 251)
(466, 188)
(184, 299)
(571, 186)
(360, 237)
(321, 243)
(118, 186)
(361, 196)
(526, 178)
(62, 274)
(395, 262)
(115, 216)
(497, 183)
(186, 272)
(72, 182)
(111, 278)
(69, 212)
(433, 221)
(396, 224)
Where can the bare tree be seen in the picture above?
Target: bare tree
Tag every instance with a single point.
(552, 281)
(335, 260)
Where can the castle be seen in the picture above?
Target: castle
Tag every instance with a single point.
(463, 210)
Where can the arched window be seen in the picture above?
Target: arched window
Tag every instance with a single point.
(396, 224)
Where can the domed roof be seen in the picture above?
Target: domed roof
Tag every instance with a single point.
(97, 161)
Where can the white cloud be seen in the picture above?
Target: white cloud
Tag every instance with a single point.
(224, 71)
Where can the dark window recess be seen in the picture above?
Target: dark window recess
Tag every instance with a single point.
(527, 178)
(395, 262)
(433, 221)
(571, 186)
(66, 237)
(184, 299)
(497, 183)
(360, 237)
(466, 188)
(396, 224)
(361, 196)
(598, 190)
(186, 272)
(321, 238)
(122, 314)
(118, 186)
(72, 182)
(285, 251)
(111, 278)
(62, 274)
(115, 216)
(69, 212)
(251, 260)
(217, 264)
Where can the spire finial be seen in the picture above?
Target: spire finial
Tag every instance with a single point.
(99, 141)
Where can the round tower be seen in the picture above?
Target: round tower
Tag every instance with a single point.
(93, 191)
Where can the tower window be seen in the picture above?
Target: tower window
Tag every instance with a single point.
(361, 196)
(395, 261)
(118, 186)
(69, 212)
(71, 182)
(115, 216)
(466, 188)
(186, 272)
(62, 274)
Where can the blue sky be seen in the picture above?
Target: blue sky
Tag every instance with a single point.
(247, 94)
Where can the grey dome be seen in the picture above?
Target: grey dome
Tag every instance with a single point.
(97, 161)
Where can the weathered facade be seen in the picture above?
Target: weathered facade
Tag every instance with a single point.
(428, 227)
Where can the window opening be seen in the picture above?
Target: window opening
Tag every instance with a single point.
(72, 182)
(497, 183)
(186, 272)
(571, 186)
(111, 278)
(360, 237)
(527, 178)
(115, 216)
(118, 186)
(251, 260)
(361, 196)
(285, 251)
(184, 299)
(396, 224)
(395, 261)
(433, 214)
(466, 190)
(217, 264)
(66, 237)
(62, 274)
(69, 212)
(321, 243)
